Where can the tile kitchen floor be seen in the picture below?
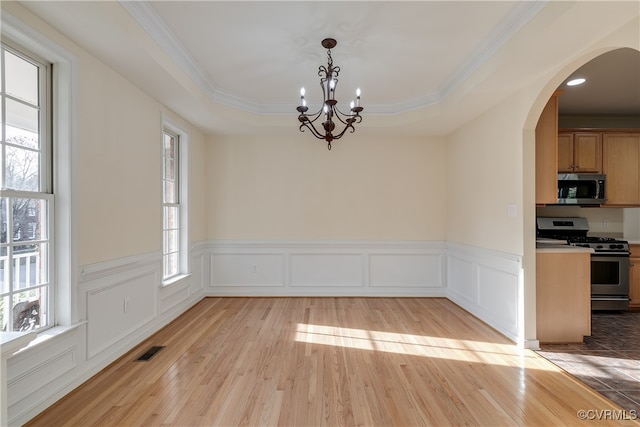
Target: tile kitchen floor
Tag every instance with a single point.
(608, 361)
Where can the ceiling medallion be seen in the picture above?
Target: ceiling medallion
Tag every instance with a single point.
(329, 110)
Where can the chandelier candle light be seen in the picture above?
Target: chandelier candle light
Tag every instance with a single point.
(329, 110)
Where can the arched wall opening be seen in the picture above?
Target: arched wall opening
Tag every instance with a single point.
(529, 182)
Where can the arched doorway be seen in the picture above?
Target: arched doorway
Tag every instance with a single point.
(604, 66)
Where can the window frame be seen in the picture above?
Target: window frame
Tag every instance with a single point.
(45, 185)
(182, 182)
(63, 233)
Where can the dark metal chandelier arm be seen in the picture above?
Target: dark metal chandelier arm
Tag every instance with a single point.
(344, 118)
(328, 135)
(349, 125)
(306, 123)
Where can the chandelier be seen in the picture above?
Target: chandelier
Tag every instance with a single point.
(329, 111)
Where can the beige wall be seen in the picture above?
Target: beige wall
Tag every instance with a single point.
(293, 188)
(119, 137)
(197, 172)
(484, 179)
(118, 148)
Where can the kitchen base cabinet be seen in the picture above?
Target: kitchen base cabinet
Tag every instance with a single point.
(563, 295)
(634, 278)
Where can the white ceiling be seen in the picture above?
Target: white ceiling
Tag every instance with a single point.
(256, 55)
(423, 66)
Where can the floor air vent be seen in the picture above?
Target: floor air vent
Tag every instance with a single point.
(147, 355)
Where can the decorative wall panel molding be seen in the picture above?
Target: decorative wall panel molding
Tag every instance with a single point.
(171, 296)
(41, 374)
(55, 366)
(115, 310)
(121, 302)
(421, 270)
(489, 285)
(326, 268)
(247, 269)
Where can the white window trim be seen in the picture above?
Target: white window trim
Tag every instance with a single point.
(184, 269)
(63, 86)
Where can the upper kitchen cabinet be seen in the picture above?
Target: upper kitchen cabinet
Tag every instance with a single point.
(547, 153)
(579, 152)
(621, 165)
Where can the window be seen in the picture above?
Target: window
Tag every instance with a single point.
(26, 202)
(174, 204)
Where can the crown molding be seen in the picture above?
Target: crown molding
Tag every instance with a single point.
(143, 13)
(518, 17)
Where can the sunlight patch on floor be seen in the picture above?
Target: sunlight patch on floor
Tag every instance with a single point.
(421, 345)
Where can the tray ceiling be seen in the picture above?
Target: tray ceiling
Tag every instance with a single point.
(422, 66)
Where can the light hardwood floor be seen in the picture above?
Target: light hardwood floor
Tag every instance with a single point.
(330, 362)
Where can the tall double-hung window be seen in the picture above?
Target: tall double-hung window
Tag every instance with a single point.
(26, 200)
(171, 205)
(175, 241)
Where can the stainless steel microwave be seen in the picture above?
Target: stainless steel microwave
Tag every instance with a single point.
(581, 189)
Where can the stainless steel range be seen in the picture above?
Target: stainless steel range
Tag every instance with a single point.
(609, 260)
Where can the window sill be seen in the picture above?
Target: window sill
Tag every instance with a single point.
(175, 279)
(50, 333)
(11, 342)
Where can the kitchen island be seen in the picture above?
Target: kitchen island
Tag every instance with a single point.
(563, 293)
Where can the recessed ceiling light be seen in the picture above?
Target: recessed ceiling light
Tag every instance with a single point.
(576, 82)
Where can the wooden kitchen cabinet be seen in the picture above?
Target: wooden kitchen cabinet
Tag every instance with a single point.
(547, 153)
(579, 152)
(563, 295)
(634, 277)
(621, 165)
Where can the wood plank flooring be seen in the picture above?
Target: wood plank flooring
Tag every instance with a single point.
(331, 362)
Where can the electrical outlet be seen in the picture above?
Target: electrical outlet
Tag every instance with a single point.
(254, 268)
(126, 304)
(605, 222)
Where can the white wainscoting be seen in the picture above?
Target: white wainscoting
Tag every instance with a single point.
(486, 283)
(118, 307)
(489, 285)
(64, 357)
(40, 371)
(318, 268)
